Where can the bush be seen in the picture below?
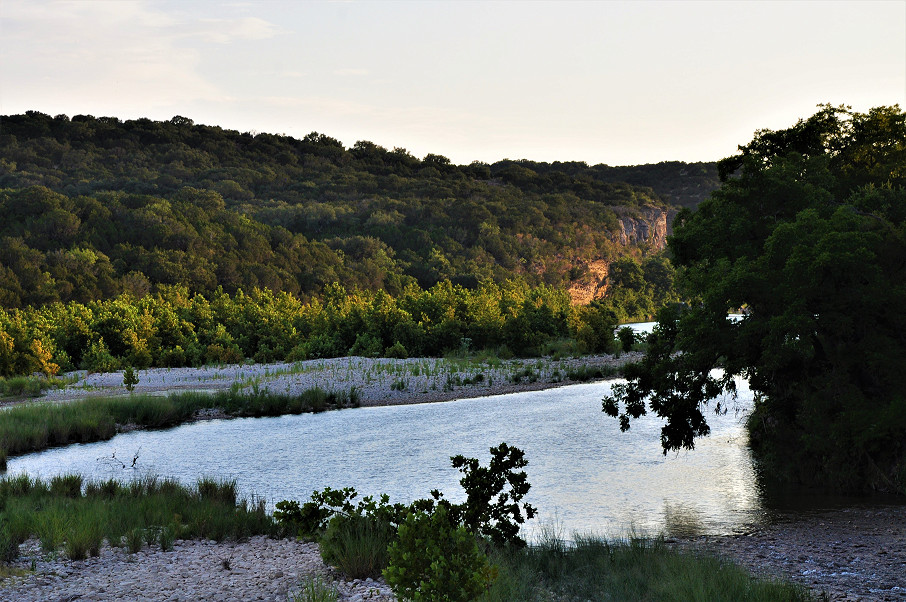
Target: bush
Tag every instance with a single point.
(396, 351)
(433, 559)
(130, 378)
(366, 345)
(307, 521)
(627, 338)
(99, 359)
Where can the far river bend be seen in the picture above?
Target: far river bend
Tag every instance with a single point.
(586, 475)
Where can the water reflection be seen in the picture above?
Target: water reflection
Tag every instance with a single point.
(682, 520)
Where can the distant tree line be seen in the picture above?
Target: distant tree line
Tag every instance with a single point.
(173, 327)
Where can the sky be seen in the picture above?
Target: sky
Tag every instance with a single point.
(620, 83)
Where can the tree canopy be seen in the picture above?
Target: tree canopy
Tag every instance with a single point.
(91, 207)
(807, 235)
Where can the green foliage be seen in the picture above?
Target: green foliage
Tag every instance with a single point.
(435, 559)
(174, 328)
(91, 208)
(99, 359)
(130, 378)
(357, 544)
(493, 506)
(396, 351)
(807, 233)
(308, 520)
(148, 511)
(626, 336)
(594, 568)
(433, 547)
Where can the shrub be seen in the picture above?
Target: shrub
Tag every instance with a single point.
(223, 354)
(489, 510)
(434, 560)
(306, 521)
(130, 378)
(366, 345)
(99, 359)
(396, 351)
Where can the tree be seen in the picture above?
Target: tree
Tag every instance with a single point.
(808, 234)
(130, 378)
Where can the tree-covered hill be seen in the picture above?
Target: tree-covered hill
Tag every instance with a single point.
(91, 207)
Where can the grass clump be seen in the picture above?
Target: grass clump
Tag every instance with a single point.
(586, 373)
(357, 544)
(594, 568)
(315, 589)
(30, 386)
(148, 511)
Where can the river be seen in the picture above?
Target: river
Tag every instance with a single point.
(586, 475)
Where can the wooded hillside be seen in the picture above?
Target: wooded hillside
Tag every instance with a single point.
(92, 207)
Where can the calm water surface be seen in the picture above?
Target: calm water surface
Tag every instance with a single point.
(586, 475)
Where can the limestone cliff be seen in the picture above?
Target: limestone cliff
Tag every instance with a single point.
(645, 228)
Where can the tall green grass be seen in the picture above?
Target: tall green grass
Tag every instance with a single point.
(30, 386)
(594, 568)
(148, 511)
(36, 426)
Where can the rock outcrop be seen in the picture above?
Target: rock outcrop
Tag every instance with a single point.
(646, 228)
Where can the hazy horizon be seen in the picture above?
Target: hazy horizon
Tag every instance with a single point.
(601, 82)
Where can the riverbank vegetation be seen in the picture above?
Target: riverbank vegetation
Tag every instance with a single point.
(74, 517)
(808, 234)
(429, 549)
(36, 426)
(433, 549)
(174, 328)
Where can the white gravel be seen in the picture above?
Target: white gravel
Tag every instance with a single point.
(378, 381)
(257, 569)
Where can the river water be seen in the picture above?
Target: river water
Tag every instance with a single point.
(586, 475)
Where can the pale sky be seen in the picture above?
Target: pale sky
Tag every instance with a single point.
(604, 82)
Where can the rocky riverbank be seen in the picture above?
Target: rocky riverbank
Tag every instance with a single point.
(256, 569)
(377, 381)
(854, 553)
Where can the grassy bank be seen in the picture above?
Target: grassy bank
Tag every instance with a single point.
(36, 426)
(75, 518)
(636, 569)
